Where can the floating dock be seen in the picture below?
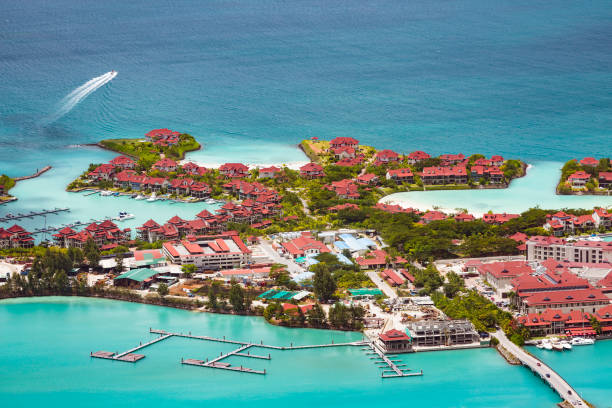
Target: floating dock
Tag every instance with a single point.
(32, 214)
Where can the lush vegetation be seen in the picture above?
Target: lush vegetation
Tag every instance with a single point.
(148, 153)
(573, 166)
(7, 182)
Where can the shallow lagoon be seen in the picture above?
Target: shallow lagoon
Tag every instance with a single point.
(50, 339)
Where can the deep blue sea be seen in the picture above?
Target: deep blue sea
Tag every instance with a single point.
(529, 79)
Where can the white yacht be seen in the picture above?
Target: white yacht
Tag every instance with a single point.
(581, 341)
(211, 201)
(557, 346)
(139, 197)
(106, 193)
(153, 197)
(124, 215)
(566, 345)
(547, 344)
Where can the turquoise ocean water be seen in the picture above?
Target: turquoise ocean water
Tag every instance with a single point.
(527, 79)
(48, 344)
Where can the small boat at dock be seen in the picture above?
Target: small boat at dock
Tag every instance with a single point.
(139, 197)
(581, 341)
(124, 215)
(106, 193)
(153, 197)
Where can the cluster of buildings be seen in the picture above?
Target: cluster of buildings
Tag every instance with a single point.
(163, 137)
(580, 178)
(541, 248)
(429, 334)
(562, 223)
(106, 235)
(15, 237)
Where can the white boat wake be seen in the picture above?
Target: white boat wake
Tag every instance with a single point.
(80, 93)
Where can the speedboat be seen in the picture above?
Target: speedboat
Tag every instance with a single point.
(540, 346)
(211, 201)
(581, 341)
(153, 197)
(106, 193)
(547, 344)
(557, 346)
(139, 197)
(124, 215)
(566, 345)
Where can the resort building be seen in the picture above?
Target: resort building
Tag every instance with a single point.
(367, 179)
(464, 217)
(605, 180)
(342, 153)
(269, 172)
(385, 157)
(444, 175)
(556, 322)
(431, 216)
(340, 207)
(589, 162)
(233, 170)
(395, 208)
(193, 169)
(357, 246)
(451, 159)
(579, 179)
(350, 162)
(303, 246)
(541, 248)
(584, 300)
(311, 170)
(395, 341)
(15, 237)
(501, 274)
(492, 174)
(165, 165)
(401, 176)
(209, 252)
(163, 137)
(417, 157)
(442, 333)
(123, 162)
(106, 235)
(344, 142)
(103, 172)
(378, 259)
(498, 219)
(346, 189)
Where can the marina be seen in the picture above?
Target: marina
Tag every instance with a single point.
(390, 367)
(32, 214)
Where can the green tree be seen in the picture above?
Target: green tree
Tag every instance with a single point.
(76, 255)
(119, 262)
(453, 285)
(323, 282)
(596, 325)
(162, 289)
(188, 270)
(236, 297)
(213, 291)
(316, 316)
(92, 253)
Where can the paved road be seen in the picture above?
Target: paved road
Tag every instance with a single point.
(382, 285)
(555, 380)
(292, 267)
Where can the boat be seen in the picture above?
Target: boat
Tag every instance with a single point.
(106, 193)
(566, 345)
(581, 341)
(557, 346)
(211, 201)
(134, 195)
(540, 346)
(139, 197)
(547, 344)
(153, 197)
(124, 215)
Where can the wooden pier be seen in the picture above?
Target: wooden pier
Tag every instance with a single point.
(32, 214)
(394, 370)
(128, 356)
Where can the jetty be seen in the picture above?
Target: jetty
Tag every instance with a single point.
(548, 375)
(242, 350)
(394, 370)
(48, 229)
(38, 173)
(32, 214)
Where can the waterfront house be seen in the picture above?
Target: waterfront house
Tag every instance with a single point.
(605, 180)
(234, 170)
(417, 157)
(589, 162)
(341, 153)
(163, 137)
(311, 170)
(403, 175)
(395, 208)
(602, 218)
(103, 172)
(395, 341)
(497, 160)
(444, 175)
(350, 162)
(165, 165)
(385, 157)
(344, 142)
(579, 179)
(102, 234)
(123, 162)
(430, 333)
(269, 172)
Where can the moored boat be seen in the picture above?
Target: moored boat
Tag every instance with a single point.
(581, 341)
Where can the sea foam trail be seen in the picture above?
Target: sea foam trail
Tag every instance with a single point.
(80, 93)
